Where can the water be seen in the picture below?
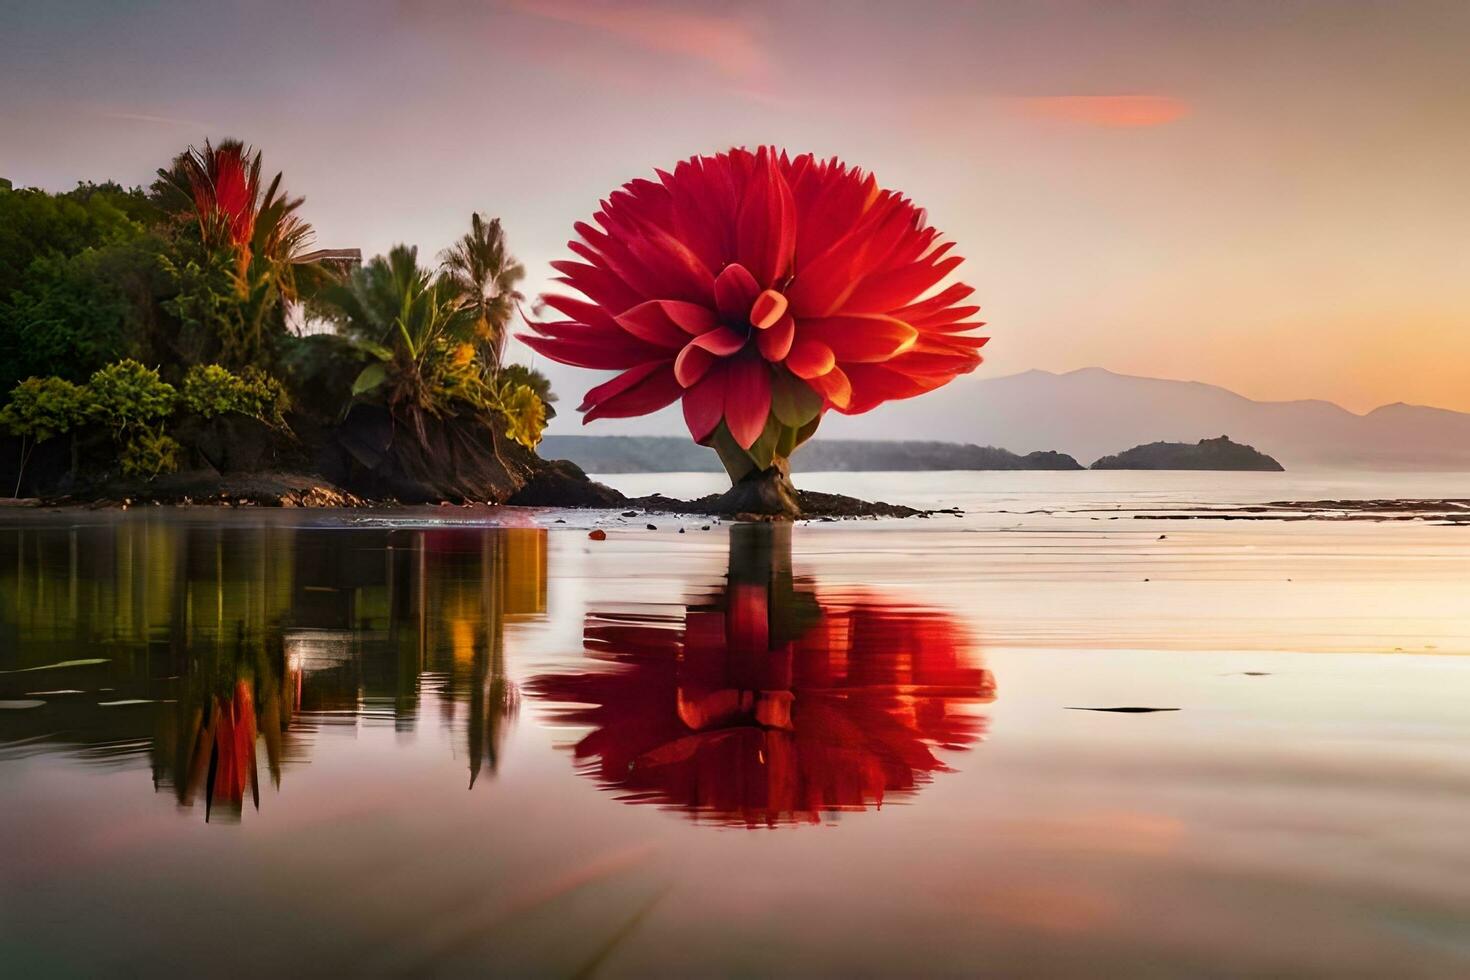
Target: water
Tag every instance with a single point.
(247, 741)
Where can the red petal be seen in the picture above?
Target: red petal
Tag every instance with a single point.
(775, 343)
(747, 400)
(861, 339)
(735, 290)
(692, 364)
(652, 323)
(617, 385)
(768, 307)
(655, 391)
(576, 309)
(833, 386)
(766, 223)
(889, 290)
(809, 358)
(693, 318)
(591, 352)
(721, 341)
(704, 404)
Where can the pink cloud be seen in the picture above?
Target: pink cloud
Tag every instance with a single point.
(726, 44)
(1112, 111)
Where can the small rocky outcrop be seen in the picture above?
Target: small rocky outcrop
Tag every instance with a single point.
(1207, 454)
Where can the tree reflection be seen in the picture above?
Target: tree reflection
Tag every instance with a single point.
(770, 702)
(215, 645)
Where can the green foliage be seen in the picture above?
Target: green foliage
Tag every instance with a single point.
(411, 327)
(128, 397)
(215, 318)
(34, 224)
(73, 314)
(40, 408)
(211, 390)
(149, 452)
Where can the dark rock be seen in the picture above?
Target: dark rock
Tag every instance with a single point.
(561, 483)
(422, 458)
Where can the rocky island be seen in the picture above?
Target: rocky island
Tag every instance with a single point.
(1207, 454)
(670, 454)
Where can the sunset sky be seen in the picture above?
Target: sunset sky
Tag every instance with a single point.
(1274, 197)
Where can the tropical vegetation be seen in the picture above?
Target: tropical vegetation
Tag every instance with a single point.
(135, 319)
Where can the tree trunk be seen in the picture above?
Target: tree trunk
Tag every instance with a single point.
(767, 493)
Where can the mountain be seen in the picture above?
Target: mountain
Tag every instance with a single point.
(664, 454)
(1092, 412)
(1207, 454)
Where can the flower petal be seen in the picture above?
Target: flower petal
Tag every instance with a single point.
(652, 392)
(651, 322)
(766, 223)
(775, 343)
(861, 339)
(834, 386)
(617, 385)
(721, 341)
(692, 364)
(747, 399)
(809, 358)
(591, 349)
(735, 290)
(704, 403)
(768, 307)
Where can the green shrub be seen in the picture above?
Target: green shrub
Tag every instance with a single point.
(40, 408)
(149, 452)
(211, 390)
(128, 396)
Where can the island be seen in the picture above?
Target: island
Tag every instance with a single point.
(1207, 454)
(671, 454)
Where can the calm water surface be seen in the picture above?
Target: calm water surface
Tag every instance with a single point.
(240, 742)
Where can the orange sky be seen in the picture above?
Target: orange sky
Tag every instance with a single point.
(1271, 197)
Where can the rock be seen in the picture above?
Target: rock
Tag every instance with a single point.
(597, 534)
(561, 483)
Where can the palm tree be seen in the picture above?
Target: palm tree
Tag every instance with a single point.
(412, 326)
(256, 231)
(484, 275)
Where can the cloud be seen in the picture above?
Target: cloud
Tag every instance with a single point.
(728, 45)
(1111, 111)
(147, 117)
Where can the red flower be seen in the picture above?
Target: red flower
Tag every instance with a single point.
(760, 290)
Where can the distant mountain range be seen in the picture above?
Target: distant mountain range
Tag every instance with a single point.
(1092, 412)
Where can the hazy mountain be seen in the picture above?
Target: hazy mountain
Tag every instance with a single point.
(1093, 412)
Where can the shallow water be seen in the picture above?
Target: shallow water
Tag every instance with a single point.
(245, 741)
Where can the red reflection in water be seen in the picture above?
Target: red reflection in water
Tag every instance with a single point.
(767, 704)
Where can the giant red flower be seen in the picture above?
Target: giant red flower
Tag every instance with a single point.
(760, 290)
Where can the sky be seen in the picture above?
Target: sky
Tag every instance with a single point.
(1269, 196)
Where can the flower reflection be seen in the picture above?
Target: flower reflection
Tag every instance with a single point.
(769, 703)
